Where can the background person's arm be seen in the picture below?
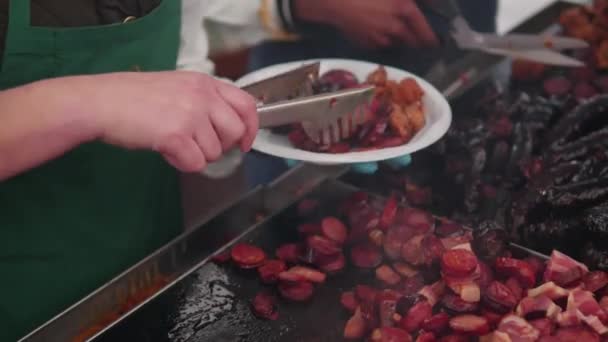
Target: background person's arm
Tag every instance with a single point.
(38, 124)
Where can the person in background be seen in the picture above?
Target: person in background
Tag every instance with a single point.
(95, 122)
(396, 33)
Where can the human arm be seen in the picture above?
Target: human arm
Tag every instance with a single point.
(190, 118)
(31, 133)
(372, 24)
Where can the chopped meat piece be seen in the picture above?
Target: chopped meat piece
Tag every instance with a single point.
(604, 303)
(404, 269)
(415, 114)
(584, 302)
(323, 245)
(595, 281)
(437, 323)
(452, 241)
(550, 290)
(415, 316)
(389, 212)
(330, 264)
(486, 275)
(378, 77)
(470, 293)
(400, 122)
(301, 273)
(541, 304)
(264, 306)
(334, 229)
(409, 92)
(387, 275)
(518, 329)
(376, 237)
(455, 338)
(247, 256)
(543, 325)
(433, 292)
(269, 272)
(387, 307)
(499, 298)
(593, 322)
(464, 284)
(578, 334)
(290, 252)
(412, 251)
(389, 334)
(365, 293)
(470, 324)
(355, 327)
(432, 249)
(568, 318)
(492, 317)
(366, 256)
(563, 270)
(515, 288)
(455, 304)
(426, 337)
(496, 336)
(458, 263)
(518, 269)
(349, 301)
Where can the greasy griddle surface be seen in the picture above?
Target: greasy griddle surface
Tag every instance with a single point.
(212, 304)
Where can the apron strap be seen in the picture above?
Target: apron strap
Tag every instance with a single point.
(19, 14)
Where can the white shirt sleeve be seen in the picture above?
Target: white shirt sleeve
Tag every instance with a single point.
(218, 25)
(232, 24)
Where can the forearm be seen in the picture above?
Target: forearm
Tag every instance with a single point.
(40, 121)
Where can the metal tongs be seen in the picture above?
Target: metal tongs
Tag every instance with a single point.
(327, 118)
(534, 47)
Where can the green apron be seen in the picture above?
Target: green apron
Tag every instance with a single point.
(74, 223)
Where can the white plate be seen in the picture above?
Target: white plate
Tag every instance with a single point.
(437, 110)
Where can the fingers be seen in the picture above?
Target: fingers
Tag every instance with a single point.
(417, 23)
(227, 124)
(244, 107)
(208, 140)
(183, 153)
(399, 29)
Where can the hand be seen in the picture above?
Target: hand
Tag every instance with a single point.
(190, 118)
(378, 23)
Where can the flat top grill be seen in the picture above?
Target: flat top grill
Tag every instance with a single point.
(204, 302)
(212, 304)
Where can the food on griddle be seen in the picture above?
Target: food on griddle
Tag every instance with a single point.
(270, 271)
(264, 306)
(394, 117)
(444, 291)
(247, 256)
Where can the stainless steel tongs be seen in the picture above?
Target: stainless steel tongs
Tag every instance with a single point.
(535, 47)
(327, 118)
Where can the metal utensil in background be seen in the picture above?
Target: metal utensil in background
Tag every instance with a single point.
(534, 47)
(326, 118)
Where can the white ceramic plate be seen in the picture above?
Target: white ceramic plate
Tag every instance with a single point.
(437, 110)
